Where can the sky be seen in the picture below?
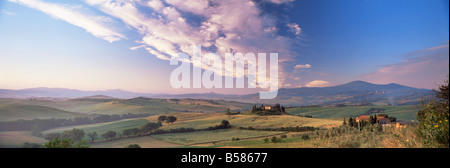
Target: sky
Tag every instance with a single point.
(128, 44)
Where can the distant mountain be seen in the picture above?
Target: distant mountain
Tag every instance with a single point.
(356, 92)
(67, 93)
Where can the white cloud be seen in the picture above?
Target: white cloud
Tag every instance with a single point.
(225, 26)
(306, 66)
(194, 6)
(295, 28)
(229, 26)
(155, 4)
(96, 25)
(318, 83)
(280, 1)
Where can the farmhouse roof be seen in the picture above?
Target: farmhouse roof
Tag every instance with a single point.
(364, 117)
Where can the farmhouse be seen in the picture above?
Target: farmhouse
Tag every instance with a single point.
(382, 119)
(362, 118)
(276, 109)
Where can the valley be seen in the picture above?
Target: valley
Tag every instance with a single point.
(306, 112)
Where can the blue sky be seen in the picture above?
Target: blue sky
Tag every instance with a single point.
(104, 44)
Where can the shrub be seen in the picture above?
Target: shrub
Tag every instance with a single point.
(434, 117)
(133, 146)
(305, 136)
(275, 140)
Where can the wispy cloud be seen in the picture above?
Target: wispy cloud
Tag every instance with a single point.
(166, 26)
(280, 1)
(226, 27)
(96, 25)
(300, 66)
(318, 83)
(9, 13)
(295, 28)
(424, 68)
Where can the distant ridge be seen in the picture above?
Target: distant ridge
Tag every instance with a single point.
(67, 93)
(355, 92)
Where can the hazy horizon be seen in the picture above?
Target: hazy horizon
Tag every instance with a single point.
(156, 93)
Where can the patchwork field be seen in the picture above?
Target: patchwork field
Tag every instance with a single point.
(10, 139)
(101, 128)
(12, 112)
(143, 141)
(124, 106)
(202, 121)
(200, 137)
(406, 113)
(190, 113)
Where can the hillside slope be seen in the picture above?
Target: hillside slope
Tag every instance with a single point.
(12, 112)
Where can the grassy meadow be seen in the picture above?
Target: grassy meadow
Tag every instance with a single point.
(15, 139)
(202, 121)
(406, 113)
(12, 112)
(201, 137)
(124, 106)
(388, 138)
(143, 141)
(101, 128)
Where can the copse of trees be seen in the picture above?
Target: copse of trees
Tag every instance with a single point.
(109, 135)
(74, 134)
(147, 128)
(167, 119)
(92, 135)
(228, 112)
(131, 132)
(223, 125)
(133, 146)
(64, 143)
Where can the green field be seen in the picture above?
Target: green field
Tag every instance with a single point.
(101, 128)
(406, 113)
(203, 121)
(142, 141)
(200, 137)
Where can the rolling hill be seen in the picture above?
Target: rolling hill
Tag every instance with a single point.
(13, 109)
(12, 112)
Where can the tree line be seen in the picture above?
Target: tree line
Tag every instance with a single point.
(288, 129)
(152, 128)
(38, 125)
